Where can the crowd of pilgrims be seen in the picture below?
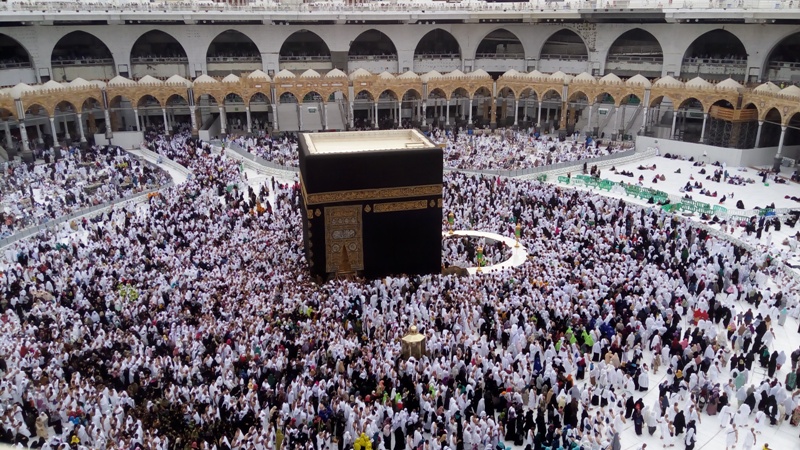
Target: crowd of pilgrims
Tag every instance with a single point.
(190, 322)
(507, 149)
(462, 251)
(503, 149)
(32, 194)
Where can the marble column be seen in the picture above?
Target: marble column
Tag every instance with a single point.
(351, 114)
(193, 118)
(591, 130)
(107, 117)
(758, 134)
(674, 118)
(780, 142)
(67, 137)
(249, 119)
(80, 127)
(166, 122)
(23, 134)
(136, 114)
(9, 141)
(703, 129)
(223, 126)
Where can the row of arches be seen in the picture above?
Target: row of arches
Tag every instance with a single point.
(718, 47)
(690, 118)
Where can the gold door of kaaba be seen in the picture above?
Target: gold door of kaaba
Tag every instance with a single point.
(343, 230)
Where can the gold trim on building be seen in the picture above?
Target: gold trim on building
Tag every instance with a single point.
(401, 206)
(360, 195)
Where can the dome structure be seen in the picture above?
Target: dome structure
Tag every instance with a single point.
(698, 83)
(259, 75)
(335, 73)
(610, 78)
(310, 73)
(360, 73)
(584, 77)
(668, 82)
(638, 80)
(147, 80)
(729, 84)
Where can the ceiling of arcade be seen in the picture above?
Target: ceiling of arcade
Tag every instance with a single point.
(514, 87)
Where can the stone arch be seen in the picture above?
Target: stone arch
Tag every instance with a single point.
(548, 91)
(288, 97)
(438, 42)
(783, 52)
(629, 98)
(687, 102)
(717, 47)
(263, 97)
(563, 42)
(407, 97)
(304, 44)
(459, 92)
(573, 96)
(332, 95)
(235, 45)
(770, 133)
(38, 108)
(505, 89)
(439, 93)
(751, 105)
(84, 47)
(369, 97)
(311, 96)
(230, 93)
(792, 124)
(14, 52)
(157, 47)
(394, 95)
(149, 104)
(211, 97)
(635, 51)
(171, 100)
(500, 42)
(710, 42)
(383, 44)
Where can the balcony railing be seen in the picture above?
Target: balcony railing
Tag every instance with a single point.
(372, 57)
(422, 56)
(15, 65)
(500, 56)
(635, 59)
(716, 61)
(159, 60)
(310, 58)
(784, 65)
(83, 62)
(564, 57)
(234, 59)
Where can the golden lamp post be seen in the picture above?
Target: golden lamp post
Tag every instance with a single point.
(413, 343)
(451, 219)
(517, 233)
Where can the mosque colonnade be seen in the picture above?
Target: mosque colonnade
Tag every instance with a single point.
(562, 102)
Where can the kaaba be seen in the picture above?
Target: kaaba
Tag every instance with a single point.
(372, 203)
